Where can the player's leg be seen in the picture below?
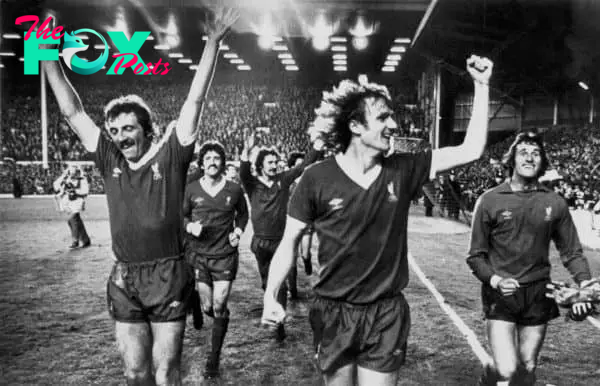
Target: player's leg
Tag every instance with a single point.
(167, 288)
(220, 326)
(166, 351)
(343, 376)
(531, 339)
(263, 259)
(501, 336)
(132, 332)
(134, 342)
(335, 328)
(292, 280)
(73, 228)
(383, 342)
(82, 234)
(532, 328)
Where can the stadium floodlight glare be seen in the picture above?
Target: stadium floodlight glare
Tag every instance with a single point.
(291, 68)
(236, 61)
(583, 86)
(288, 61)
(339, 56)
(340, 68)
(1, 65)
(394, 57)
(224, 47)
(23, 59)
(243, 67)
(150, 37)
(265, 42)
(320, 42)
(99, 46)
(402, 40)
(83, 37)
(360, 42)
(7, 54)
(185, 61)
(391, 63)
(398, 49)
(193, 67)
(205, 38)
(340, 62)
(338, 48)
(280, 47)
(161, 47)
(388, 69)
(175, 55)
(11, 36)
(338, 39)
(284, 56)
(230, 55)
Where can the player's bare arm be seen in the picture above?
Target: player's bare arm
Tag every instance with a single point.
(281, 265)
(69, 102)
(189, 116)
(473, 145)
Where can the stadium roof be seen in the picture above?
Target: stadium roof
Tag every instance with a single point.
(541, 44)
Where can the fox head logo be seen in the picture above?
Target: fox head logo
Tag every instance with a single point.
(73, 44)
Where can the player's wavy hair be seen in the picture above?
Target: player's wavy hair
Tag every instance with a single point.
(131, 104)
(528, 137)
(215, 146)
(294, 156)
(260, 158)
(342, 105)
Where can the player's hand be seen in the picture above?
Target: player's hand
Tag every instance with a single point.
(234, 239)
(273, 313)
(508, 286)
(249, 139)
(592, 284)
(223, 18)
(580, 311)
(194, 228)
(480, 69)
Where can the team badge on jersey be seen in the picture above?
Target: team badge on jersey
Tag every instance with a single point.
(392, 196)
(548, 214)
(228, 200)
(156, 173)
(116, 172)
(506, 215)
(336, 204)
(198, 201)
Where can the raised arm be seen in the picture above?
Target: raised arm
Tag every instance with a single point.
(473, 145)
(246, 177)
(189, 116)
(70, 103)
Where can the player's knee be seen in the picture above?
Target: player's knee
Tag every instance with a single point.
(529, 365)
(167, 373)
(220, 310)
(505, 370)
(207, 308)
(138, 375)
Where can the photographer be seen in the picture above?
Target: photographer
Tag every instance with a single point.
(71, 189)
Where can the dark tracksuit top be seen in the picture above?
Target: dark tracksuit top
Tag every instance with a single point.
(269, 204)
(511, 234)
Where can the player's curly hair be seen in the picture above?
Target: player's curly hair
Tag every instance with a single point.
(215, 146)
(340, 106)
(528, 137)
(131, 104)
(260, 158)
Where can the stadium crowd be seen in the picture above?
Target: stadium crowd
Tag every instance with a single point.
(281, 114)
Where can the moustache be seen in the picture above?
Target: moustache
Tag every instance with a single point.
(126, 143)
